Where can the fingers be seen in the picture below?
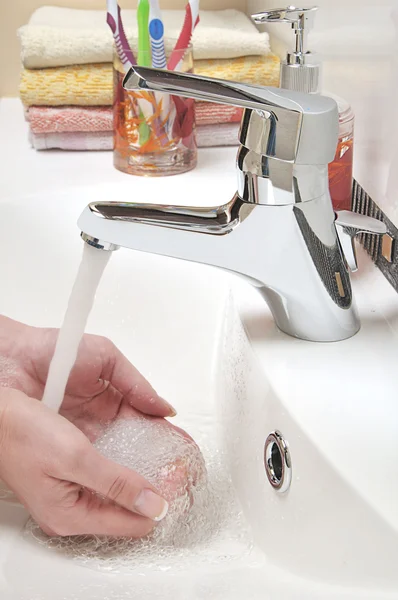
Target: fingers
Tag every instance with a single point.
(108, 519)
(122, 486)
(132, 385)
(92, 515)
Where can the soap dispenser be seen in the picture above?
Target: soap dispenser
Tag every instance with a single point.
(301, 71)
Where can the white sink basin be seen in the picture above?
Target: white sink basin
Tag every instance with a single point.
(207, 342)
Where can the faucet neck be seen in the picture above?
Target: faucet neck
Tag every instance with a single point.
(273, 182)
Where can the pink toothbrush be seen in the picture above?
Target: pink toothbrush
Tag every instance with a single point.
(114, 20)
(190, 22)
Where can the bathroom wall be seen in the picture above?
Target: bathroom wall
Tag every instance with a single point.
(356, 39)
(15, 13)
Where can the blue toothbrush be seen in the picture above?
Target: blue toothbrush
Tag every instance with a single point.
(159, 60)
(156, 33)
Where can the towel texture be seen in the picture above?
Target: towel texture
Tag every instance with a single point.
(64, 36)
(225, 134)
(78, 140)
(257, 70)
(49, 119)
(92, 85)
(86, 85)
(209, 113)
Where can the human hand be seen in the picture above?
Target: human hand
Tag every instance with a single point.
(102, 386)
(65, 484)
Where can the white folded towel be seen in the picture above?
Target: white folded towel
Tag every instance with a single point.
(58, 37)
(224, 134)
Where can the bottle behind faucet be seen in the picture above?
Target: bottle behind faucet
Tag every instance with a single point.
(301, 72)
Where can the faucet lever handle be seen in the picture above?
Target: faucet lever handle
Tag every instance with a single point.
(282, 124)
(350, 224)
(213, 90)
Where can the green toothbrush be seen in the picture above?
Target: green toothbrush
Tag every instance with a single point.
(143, 58)
(144, 44)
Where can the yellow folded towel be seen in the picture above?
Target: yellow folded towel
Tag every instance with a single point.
(257, 70)
(85, 85)
(92, 85)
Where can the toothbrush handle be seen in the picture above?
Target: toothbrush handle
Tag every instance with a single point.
(122, 46)
(144, 47)
(156, 31)
(126, 47)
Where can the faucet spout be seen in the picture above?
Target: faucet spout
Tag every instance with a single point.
(290, 253)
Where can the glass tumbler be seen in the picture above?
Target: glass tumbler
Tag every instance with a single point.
(154, 133)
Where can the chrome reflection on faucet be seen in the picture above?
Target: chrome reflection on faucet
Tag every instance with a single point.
(279, 230)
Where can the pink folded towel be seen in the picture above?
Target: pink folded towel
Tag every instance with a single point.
(79, 140)
(208, 113)
(47, 119)
(225, 134)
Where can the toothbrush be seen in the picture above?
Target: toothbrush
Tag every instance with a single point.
(190, 22)
(159, 61)
(124, 52)
(144, 48)
(114, 20)
(144, 60)
(156, 33)
(184, 118)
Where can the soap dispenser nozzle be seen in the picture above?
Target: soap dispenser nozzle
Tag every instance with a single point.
(300, 70)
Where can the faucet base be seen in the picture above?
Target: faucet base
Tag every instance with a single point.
(311, 326)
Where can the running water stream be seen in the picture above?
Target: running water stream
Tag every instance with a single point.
(80, 304)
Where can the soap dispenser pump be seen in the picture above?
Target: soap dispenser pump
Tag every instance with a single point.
(301, 71)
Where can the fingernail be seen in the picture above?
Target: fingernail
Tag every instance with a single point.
(151, 505)
(172, 410)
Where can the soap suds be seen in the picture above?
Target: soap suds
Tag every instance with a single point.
(204, 522)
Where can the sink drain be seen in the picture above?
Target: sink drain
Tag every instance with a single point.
(278, 464)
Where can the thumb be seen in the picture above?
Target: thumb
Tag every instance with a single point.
(121, 485)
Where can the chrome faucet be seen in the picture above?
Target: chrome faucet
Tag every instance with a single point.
(279, 230)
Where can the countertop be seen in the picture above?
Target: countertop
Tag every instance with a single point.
(25, 171)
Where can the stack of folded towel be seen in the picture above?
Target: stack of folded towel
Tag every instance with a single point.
(67, 84)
